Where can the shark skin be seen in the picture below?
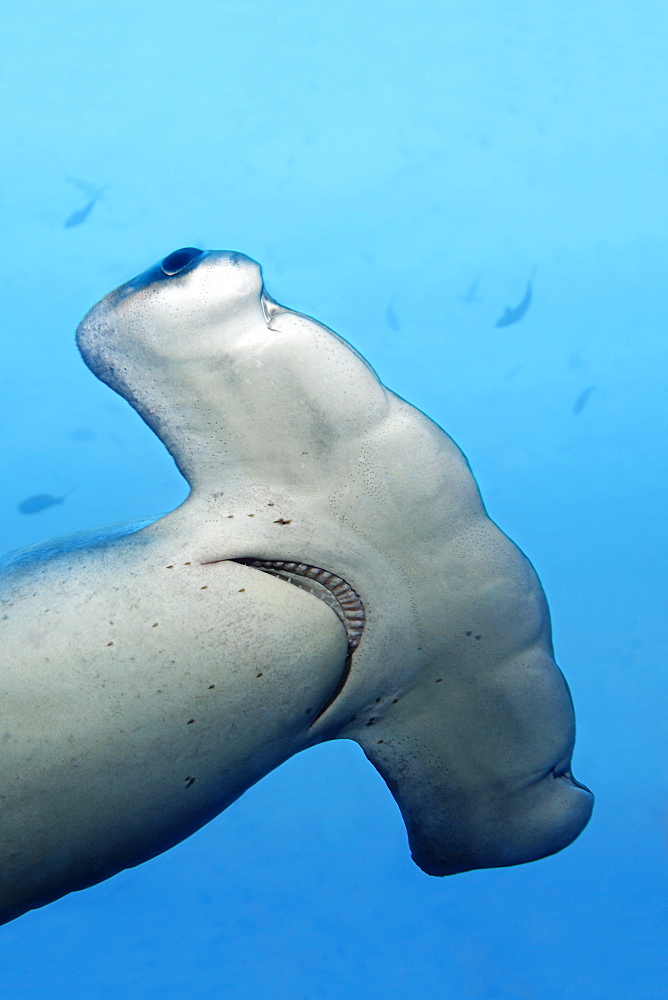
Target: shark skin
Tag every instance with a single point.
(151, 674)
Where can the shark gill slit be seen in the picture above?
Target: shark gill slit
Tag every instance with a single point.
(336, 594)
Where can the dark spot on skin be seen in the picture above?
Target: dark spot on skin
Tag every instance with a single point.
(377, 700)
(204, 588)
(190, 722)
(170, 567)
(440, 680)
(211, 687)
(154, 625)
(189, 781)
(308, 711)
(394, 701)
(381, 741)
(271, 505)
(372, 720)
(282, 520)
(478, 637)
(469, 633)
(230, 515)
(187, 564)
(259, 675)
(110, 644)
(243, 590)
(251, 515)
(352, 718)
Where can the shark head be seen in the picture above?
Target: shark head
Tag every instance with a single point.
(332, 575)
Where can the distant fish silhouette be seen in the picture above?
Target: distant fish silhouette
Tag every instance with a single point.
(581, 401)
(81, 214)
(391, 317)
(37, 503)
(576, 361)
(513, 372)
(514, 315)
(470, 296)
(82, 434)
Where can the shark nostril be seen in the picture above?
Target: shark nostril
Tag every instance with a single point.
(176, 261)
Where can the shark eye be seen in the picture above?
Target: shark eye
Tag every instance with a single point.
(180, 259)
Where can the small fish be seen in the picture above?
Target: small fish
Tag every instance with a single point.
(470, 296)
(391, 317)
(514, 315)
(576, 361)
(513, 372)
(581, 401)
(37, 503)
(81, 214)
(82, 434)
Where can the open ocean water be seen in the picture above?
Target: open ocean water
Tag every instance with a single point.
(406, 173)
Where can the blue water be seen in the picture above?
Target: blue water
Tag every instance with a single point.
(401, 171)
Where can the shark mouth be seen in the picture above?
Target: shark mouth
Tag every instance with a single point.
(327, 587)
